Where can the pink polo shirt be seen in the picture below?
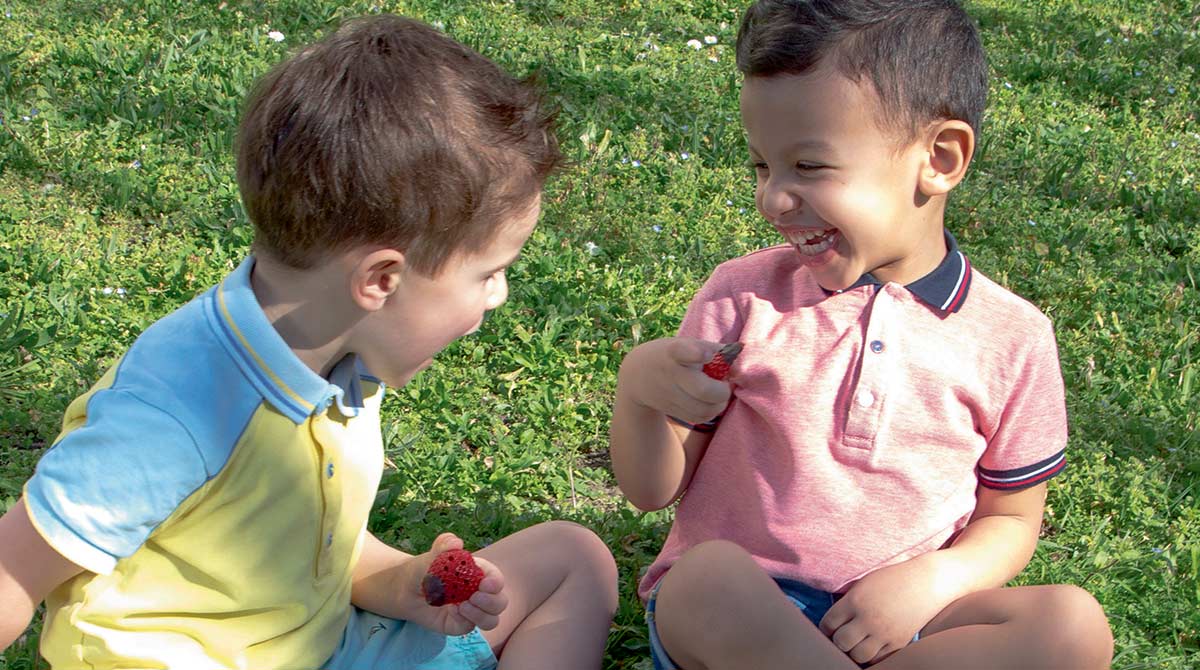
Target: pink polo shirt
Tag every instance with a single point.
(863, 421)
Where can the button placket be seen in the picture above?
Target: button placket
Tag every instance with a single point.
(875, 366)
(326, 438)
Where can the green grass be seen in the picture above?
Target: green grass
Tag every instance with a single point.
(117, 204)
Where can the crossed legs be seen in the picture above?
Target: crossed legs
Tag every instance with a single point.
(717, 610)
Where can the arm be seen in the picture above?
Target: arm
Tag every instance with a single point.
(883, 610)
(387, 581)
(29, 569)
(653, 457)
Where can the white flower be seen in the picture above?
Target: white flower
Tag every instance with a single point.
(121, 291)
(695, 44)
(275, 36)
(710, 39)
(656, 228)
(107, 290)
(1007, 85)
(440, 25)
(591, 248)
(684, 155)
(637, 164)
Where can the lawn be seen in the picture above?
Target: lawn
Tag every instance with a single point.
(118, 204)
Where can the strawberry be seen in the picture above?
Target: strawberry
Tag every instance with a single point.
(718, 367)
(452, 578)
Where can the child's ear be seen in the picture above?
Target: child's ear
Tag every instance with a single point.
(375, 276)
(949, 147)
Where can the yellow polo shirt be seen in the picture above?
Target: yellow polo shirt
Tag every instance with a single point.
(216, 490)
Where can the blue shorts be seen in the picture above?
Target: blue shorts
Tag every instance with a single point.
(813, 602)
(373, 641)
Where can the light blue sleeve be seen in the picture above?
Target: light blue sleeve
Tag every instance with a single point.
(100, 491)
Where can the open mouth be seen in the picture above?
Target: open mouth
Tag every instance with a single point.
(812, 241)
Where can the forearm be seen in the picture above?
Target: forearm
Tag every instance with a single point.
(647, 455)
(989, 552)
(376, 582)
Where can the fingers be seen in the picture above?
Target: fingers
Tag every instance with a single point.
(484, 609)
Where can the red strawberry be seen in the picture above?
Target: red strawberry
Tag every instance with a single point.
(452, 578)
(718, 367)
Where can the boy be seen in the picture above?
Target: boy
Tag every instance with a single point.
(874, 469)
(206, 505)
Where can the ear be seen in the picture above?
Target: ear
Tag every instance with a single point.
(375, 276)
(948, 151)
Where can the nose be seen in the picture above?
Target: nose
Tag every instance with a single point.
(499, 292)
(775, 197)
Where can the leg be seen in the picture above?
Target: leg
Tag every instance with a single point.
(717, 610)
(1056, 627)
(561, 583)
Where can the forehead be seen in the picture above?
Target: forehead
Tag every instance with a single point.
(817, 107)
(507, 239)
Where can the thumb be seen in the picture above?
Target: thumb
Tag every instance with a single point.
(445, 542)
(694, 352)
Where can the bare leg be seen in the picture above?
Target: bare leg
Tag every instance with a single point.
(561, 583)
(1055, 627)
(717, 610)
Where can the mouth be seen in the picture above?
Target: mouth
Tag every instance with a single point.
(811, 241)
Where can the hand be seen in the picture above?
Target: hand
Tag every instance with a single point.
(665, 375)
(482, 609)
(882, 612)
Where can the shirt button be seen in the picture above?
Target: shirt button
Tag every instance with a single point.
(329, 540)
(865, 399)
(877, 346)
(329, 471)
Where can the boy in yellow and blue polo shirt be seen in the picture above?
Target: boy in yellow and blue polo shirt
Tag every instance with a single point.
(206, 504)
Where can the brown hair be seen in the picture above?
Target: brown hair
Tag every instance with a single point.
(923, 57)
(389, 132)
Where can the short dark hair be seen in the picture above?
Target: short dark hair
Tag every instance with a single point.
(389, 132)
(923, 57)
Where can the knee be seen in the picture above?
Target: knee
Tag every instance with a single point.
(586, 557)
(1078, 634)
(708, 573)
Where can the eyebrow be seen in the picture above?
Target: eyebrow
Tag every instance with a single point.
(507, 263)
(803, 145)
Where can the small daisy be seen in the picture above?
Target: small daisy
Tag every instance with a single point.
(695, 44)
(710, 39)
(591, 248)
(275, 36)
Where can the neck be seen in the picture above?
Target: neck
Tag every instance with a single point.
(307, 308)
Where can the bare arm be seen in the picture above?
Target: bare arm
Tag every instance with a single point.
(29, 569)
(996, 544)
(654, 458)
(881, 612)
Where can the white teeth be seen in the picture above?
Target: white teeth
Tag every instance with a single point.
(813, 242)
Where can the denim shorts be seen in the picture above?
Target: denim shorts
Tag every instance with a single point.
(813, 602)
(372, 641)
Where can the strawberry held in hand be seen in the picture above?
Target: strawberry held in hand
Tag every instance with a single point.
(718, 367)
(452, 578)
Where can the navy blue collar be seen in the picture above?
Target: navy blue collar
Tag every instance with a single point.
(945, 288)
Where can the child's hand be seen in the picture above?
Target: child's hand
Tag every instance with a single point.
(482, 609)
(882, 612)
(665, 375)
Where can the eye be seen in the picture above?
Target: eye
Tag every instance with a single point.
(808, 167)
(757, 165)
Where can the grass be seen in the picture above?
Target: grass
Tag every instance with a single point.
(118, 204)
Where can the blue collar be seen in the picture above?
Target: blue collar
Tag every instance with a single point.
(944, 288)
(267, 361)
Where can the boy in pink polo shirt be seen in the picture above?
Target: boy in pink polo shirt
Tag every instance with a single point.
(873, 470)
